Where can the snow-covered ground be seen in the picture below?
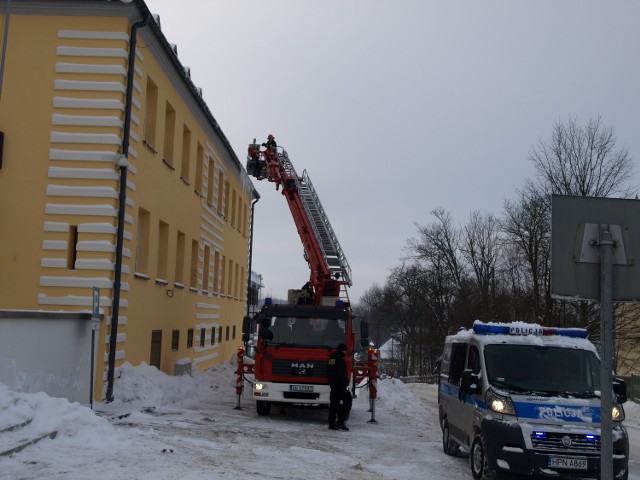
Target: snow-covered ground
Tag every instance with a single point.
(162, 427)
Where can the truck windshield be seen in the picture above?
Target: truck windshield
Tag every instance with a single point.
(304, 331)
(542, 370)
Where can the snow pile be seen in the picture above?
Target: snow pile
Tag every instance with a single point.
(632, 413)
(396, 397)
(41, 415)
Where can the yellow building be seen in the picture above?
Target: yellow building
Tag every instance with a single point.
(79, 120)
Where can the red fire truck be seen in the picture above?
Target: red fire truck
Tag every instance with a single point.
(293, 341)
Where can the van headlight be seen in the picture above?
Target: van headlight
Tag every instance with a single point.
(617, 413)
(499, 403)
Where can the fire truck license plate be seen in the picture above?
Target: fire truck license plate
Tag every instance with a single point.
(573, 463)
(301, 388)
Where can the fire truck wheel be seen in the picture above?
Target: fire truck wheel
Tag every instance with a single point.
(263, 407)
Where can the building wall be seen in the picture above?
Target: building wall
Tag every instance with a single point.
(186, 236)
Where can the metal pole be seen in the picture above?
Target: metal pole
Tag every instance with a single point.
(606, 351)
(93, 348)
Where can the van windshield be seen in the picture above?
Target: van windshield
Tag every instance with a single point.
(542, 370)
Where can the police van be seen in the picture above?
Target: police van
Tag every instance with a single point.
(525, 399)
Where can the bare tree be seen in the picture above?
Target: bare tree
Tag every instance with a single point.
(527, 227)
(583, 160)
(480, 247)
(439, 244)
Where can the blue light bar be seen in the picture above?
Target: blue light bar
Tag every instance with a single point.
(268, 301)
(520, 328)
(486, 329)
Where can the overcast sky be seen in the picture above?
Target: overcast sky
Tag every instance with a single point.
(397, 107)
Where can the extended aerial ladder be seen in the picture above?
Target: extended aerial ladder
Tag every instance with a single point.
(289, 352)
(330, 271)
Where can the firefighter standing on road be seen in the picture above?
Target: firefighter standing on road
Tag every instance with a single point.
(340, 398)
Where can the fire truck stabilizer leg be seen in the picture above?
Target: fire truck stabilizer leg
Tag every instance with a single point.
(239, 380)
(373, 381)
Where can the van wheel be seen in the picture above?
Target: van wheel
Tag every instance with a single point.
(478, 460)
(449, 446)
(625, 476)
(263, 407)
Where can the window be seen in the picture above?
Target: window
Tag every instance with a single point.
(458, 357)
(220, 191)
(180, 244)
(242, 278)
(190, 338)
(473, 362)
(163, 249)
(203, 333)
(169, 128)
(210, 176)
(230, 277)
(142, 242)
(220, 334)
(223, 274)
(72, 247)
(175, 340)
(156, 349)
(205, 268)
(151, 114)
(193, 275)
(213, 335)
(245, 213)
(226, 200)
(236, 285)
(216, 272)
(199, 168)
(186, 155)
(233, 208)
(226, 335)
(233, 333)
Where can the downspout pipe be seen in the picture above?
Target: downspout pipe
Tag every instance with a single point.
(122, 200)
(5, 38)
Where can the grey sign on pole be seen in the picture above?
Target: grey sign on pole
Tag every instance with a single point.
(594, 244)
(95, 309)
(575, 253)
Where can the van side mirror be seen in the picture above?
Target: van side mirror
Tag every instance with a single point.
(469, 382)
(620, 389)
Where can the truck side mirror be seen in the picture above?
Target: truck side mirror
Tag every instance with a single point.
(620, 389)
(364, 334)
(469, 382)
(246, 324)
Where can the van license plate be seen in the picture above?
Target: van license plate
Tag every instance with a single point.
(572, 463)
(301, 388)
